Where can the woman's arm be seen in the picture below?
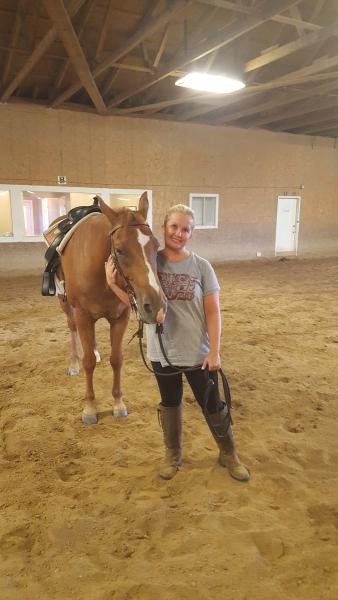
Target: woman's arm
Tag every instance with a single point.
(111, 274)
(213, 318)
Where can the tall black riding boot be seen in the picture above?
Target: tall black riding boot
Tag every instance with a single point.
(170, 418)
(218, 424)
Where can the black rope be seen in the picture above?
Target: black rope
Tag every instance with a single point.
(159, 331)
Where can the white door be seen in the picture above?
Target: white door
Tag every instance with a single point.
(287, 225)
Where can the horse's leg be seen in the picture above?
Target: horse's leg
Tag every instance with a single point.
(74, 365)
(86, 328)
(117, 329)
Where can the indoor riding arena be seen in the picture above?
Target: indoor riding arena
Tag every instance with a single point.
(89, 107)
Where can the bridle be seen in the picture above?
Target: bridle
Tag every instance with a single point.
(159, 331)
(128, 287)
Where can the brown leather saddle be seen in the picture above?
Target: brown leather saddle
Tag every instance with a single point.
(52, 257)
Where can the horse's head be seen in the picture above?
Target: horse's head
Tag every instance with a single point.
(134, 250)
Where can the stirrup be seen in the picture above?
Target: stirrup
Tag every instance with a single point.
(48, 284)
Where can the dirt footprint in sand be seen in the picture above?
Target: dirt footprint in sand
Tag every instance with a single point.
(16, 540)
(269, 544)
(69, 471)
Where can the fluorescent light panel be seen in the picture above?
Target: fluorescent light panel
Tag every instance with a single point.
(210, 83)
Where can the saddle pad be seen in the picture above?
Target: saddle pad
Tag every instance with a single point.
(53, 231)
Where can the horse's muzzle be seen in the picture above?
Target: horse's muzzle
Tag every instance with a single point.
(152, 310)
(160, 316)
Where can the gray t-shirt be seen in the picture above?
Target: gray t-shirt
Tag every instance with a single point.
(185, 336)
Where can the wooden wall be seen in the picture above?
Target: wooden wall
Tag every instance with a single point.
(248, 168)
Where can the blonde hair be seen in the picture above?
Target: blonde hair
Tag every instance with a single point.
(180, 208)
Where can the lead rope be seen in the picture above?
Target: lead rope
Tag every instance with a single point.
(209, 382)
(159, 332)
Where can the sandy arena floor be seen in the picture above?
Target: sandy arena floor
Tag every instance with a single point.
(83, 514)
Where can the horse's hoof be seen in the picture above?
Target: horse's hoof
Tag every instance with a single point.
(73, 371)
(89, 419)
(120, 412)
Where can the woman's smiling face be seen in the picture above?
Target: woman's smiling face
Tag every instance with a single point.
(178, 231)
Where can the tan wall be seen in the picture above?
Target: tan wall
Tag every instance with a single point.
(22, 258)
(249, 169)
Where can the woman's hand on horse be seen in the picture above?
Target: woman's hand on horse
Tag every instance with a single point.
(212, 362)
(111, 272)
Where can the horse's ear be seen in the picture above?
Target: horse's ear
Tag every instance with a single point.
(106, 210)
(143, 205)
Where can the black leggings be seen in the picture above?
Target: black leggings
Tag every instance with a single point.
(171, 388)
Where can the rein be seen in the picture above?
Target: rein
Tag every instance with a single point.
(209, 382)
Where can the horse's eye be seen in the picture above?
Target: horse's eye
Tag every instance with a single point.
(120, 252)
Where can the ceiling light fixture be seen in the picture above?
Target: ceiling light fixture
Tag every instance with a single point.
(205, 82)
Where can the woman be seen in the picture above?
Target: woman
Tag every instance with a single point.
(191, 337)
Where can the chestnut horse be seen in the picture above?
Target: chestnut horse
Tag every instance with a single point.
(125, 234)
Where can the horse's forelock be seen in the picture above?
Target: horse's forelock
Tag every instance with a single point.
(134, 218)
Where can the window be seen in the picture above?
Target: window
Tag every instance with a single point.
(40, 208)
(205, 207)
(27, 211)
(6, 224)
(119, 200)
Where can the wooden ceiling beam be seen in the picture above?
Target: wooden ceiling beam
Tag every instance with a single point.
(213, 103)
(119, 65)
(26, 52)
(227, 5)
(161, 47)
(296, 23)
(295, 14)
(320, 118)
(145, 31)
(160, 105)
(308, 39)
(104, 28)
(250, 110)
(79, 31)
(109, 81)
(290, 78)
(265, 12)
(310, 56)
(14, 38)
(34, 24)
(258, 108)
(293, 22)
(317, 9)
(113, 73)
(66, 32)
(321, 126)
(38, 52)
(322, 64)
(297, 120)
(296, 109)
